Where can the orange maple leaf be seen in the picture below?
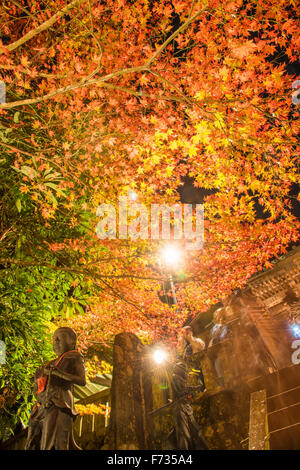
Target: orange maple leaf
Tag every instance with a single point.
(245, 49)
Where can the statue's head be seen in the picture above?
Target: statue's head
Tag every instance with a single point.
(187, 331)
(220, 316)
(64, 339)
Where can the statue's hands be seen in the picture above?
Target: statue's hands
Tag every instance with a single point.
(62, 374)
(54, 371)
(194, 388)
(58, 373)
(49, 369)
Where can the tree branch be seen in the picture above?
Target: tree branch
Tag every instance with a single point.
(173, 36)
(145, 95)
(67, 88)
(16, 150)
(120, 296)
(87, 81)
(22, 8)
(77, 271)
(43, 26)
(185, 98)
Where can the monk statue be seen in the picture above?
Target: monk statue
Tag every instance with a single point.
(51, 421)
(186, 434)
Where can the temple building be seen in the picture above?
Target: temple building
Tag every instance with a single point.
(259, 360)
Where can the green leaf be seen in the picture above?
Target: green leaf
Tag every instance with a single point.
(51, 195)
(19, 205)
(48, 171)
(51, 185)
(28, 170)
(79, 309)
(16, 117)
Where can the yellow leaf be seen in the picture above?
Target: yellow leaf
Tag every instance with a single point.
(155, 158)
(24, 61)
(174, 145)
(169, 170)
(200, 95)
(193, 151)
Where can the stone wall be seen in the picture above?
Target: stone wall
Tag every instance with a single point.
(223, 417)
(223, 413)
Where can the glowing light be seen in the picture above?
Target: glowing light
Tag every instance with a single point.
(171, 255)
(160, 356)
(133, 196)
(296, 330)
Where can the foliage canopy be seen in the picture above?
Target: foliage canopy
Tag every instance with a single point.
(107, 97)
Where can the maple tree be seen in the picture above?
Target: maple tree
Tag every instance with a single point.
(107, 97)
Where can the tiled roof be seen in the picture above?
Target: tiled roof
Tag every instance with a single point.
(92, 390)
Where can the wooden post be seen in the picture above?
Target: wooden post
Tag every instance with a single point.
(131, 396)
(258, 425)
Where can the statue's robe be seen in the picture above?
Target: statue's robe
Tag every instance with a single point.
(52, 416)
(186, 434)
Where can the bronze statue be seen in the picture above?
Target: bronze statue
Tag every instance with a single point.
(190, 347)
(186, 434)
(51, 420)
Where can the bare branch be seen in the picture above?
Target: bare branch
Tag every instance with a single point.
(173, 36)
(9, 230)
(16, 150)
(192, 8)
(67, 88)
(116, 294)
(87, 81)
(22, 8)
(145, 95)
(77, 271)
(184, 98)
